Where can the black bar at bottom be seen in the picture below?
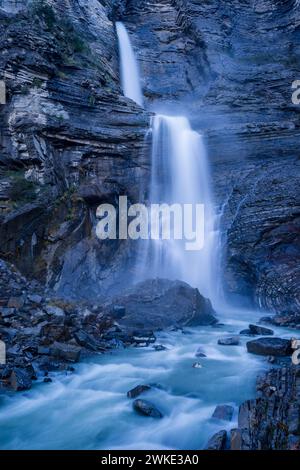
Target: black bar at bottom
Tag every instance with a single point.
(133, 459)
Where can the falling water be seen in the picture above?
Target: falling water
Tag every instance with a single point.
(129, 68)
(180, 175)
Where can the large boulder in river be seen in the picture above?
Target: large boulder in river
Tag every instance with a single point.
(160, 303)
(260, 330)
(270, 347)
(146, 408)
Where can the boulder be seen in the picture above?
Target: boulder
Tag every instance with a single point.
(260, 330)
(16, 302)
(54, 311)
(35, 299)
(270, 347)
(147, 408)
(224, 412)
(65, 351)
(160, 303)
(159, 347)
(229, 341)
(43, 351)
(289, 319)
(138, 390)
(236, 439)
(20, 379)
(200, 353)
(246, 332)
(86, 340)
(118, 311)
(217, 441)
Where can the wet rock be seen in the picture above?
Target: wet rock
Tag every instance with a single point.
(235, 439)
(287, 319)
(255, 330)
(224, 412)
(145, 339)
(270, 347)
(271, 421)
(47, 380)
(5, 371)
(147, 408)
(16, 302)
(113, 344)
(20, 379)
(43, 351)
(293, 443)
(159, 347)
(217, 441)
(6, 312)
(200, 353)
(260, 330)
(229, 341)
(138, 390)
(160, 303)
(86, 340)
(246, 332)
(35, 299)
(65, 351)
(118, 311)
(197, 365)
(54, 311)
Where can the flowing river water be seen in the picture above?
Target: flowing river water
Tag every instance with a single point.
(90, 409)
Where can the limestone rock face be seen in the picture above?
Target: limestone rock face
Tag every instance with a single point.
(69, 141)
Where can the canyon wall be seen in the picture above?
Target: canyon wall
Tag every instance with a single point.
(70, 140)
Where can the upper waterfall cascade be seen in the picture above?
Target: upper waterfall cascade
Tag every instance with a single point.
(129, 67)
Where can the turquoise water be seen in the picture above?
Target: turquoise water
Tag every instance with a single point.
(90, 409)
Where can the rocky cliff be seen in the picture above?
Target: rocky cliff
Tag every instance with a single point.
(70, 140)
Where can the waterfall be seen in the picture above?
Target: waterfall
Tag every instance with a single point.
(129, 68)
(180, 175)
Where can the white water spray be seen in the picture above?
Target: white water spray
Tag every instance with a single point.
(180, 175)
(129, 67)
